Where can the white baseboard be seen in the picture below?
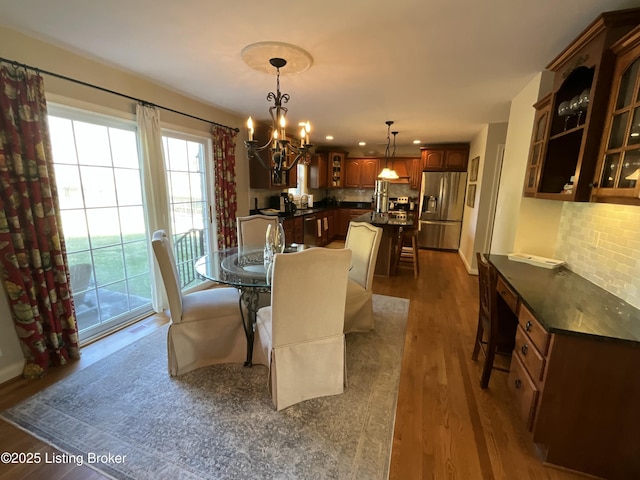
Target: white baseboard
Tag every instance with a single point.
(11, 371)
(470, 271)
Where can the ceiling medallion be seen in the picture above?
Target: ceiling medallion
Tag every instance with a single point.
(258, 55)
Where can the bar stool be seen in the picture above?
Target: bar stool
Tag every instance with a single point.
(407, 250)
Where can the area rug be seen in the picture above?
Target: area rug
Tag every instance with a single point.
(218, 422)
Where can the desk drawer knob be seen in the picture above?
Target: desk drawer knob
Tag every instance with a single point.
(518, 383)
(524, 349)
(528, 326)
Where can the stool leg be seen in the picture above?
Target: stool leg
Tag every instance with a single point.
(416, 260)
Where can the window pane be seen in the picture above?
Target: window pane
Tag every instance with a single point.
(68, 182)
(630, 169)
(178, 155)
(63, 145)
(618, 130)
(627, 86)
(124, 148)
(132, 223)
(109, 264)
(92, 143)
(104, 226)
(76, 235)
(128, 186)
(634, 135)
(610, 170)
(98, 186)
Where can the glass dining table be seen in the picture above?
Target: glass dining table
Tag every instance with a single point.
(244, 269)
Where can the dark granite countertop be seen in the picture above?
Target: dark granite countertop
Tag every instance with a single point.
(566, 303)
(321, 207)
(379, 221)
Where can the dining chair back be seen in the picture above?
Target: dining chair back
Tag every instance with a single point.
(206, 326)
(495, 334)
(252, 230)
(301, 334)
(363, 239)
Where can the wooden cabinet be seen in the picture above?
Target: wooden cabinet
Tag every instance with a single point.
(336, 169)
(293, 230)
(415, 174)
(361, 172)
(619, 161)
(344, 217)
(319, 171)
(571, 120)
(445, 157)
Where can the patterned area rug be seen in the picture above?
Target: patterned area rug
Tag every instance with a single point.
(218, 422)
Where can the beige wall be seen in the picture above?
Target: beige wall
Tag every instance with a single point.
(513, 215)
(23, 49)
(477, 224)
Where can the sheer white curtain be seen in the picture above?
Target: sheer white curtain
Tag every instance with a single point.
(154, 189)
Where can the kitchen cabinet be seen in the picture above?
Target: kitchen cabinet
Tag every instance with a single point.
(415, 174)
(619, 160)
(319, 171)
(361, 173)
(562, 164)
(293, 229)
(344, 217)
(445, 157)
(336, 169)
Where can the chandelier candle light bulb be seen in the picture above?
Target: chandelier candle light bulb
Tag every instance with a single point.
(250, 127)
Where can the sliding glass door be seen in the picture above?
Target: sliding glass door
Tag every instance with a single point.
(99, 185)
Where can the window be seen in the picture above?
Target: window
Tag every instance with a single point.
(103, 220)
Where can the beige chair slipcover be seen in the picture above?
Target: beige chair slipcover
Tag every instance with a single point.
(252, 230)
(363, 239)
(301, 334)
(206, 326)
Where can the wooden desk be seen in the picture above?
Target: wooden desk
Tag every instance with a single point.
(575, 368)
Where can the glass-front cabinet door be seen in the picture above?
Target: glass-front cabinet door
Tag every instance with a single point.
(538, 144)
(620, 160)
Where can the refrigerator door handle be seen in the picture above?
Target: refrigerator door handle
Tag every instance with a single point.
(441, 196)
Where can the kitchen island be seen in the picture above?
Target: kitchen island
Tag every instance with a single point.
(390, 229)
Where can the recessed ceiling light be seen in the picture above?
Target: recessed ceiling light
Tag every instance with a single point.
(362, 144)
(635, 134)
(416, 142)
(329, 137)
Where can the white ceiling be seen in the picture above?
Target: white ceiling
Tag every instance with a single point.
(441, 69)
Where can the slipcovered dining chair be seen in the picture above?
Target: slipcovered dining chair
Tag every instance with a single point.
(300, 336)
(495, 334)
(363, 239)
(206, 326)
(252, 230)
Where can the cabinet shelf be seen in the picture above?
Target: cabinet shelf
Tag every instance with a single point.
(569, 131)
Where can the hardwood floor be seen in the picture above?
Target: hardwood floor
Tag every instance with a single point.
(446, 426)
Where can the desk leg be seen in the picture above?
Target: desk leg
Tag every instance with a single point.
(249, 297)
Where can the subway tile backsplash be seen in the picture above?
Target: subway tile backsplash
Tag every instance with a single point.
(601, 242)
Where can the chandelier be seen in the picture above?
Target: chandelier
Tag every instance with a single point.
(282, 152)
(388, 173)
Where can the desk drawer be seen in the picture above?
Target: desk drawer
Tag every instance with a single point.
(509, 296)
(536, 332)
(524, 390)
(529, 355)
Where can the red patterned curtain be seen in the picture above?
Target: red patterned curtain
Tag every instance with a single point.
(224, 158)
(35, 273)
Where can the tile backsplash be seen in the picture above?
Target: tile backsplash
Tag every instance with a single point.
(601, 242)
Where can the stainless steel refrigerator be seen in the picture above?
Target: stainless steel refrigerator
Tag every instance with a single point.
(441, 209)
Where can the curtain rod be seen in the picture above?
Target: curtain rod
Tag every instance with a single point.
(97, 87)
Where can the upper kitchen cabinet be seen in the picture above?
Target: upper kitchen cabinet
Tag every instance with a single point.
(336, 169)
(319, 171)
(361, 172)
(261, 177)
(569, 122)
(619, 167)
(445, 157)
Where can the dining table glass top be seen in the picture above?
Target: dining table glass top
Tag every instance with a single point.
(238, 266)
